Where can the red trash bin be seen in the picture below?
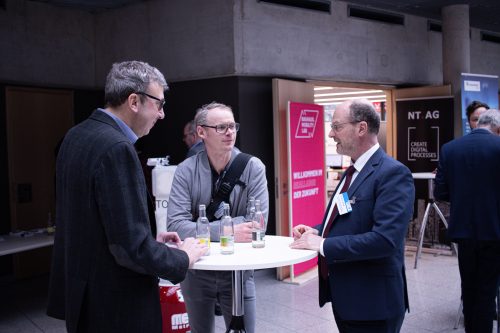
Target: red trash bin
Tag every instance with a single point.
(173, 310)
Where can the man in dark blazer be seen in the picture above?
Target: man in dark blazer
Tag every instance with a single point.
(106, 262)
(468, 176)
(361, 261)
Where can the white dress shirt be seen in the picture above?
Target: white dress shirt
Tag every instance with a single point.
(358, 166)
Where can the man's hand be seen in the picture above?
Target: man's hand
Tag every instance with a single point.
(243, 232)
(302, 229)
(308, 241)
(169, 237)
(194, 249)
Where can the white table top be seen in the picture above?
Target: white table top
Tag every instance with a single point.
(14, 244)
(423, 175)
(276, 253)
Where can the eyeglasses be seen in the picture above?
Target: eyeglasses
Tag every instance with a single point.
(162, 101)
(222, 128)
(338, 127)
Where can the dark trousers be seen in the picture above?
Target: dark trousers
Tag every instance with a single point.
(391, 325)
(479, 264)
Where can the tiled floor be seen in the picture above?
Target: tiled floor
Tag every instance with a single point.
(434, 290)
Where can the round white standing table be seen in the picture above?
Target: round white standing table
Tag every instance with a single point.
(276, 253)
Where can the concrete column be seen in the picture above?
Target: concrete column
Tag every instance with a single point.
(456, 54)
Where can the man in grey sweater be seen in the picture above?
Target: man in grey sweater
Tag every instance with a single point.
(195, 182)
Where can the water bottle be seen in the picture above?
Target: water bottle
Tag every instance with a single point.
(203, 228)
(258, 227)
(250, 210)
(226, 232)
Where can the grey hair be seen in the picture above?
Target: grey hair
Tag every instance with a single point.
(129, 77)
(201, 114)
(490, 119)
(363, 110)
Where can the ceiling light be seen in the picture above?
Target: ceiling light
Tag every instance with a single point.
(345, 99)
(361, 92)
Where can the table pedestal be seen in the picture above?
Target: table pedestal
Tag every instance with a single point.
(237, 323)
(276, 253)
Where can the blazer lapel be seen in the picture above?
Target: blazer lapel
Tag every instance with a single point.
(330, 203)
(367, 170)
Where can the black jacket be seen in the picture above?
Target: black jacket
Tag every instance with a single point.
(106, 261)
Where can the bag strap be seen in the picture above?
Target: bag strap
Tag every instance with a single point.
(230, 179)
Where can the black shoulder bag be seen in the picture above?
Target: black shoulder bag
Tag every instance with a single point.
(231, 178)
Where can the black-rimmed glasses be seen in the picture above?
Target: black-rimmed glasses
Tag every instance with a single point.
(222, 128)
(162, 101)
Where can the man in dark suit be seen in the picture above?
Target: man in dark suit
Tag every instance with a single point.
(468, 177)
(106, 262)
(361, 261)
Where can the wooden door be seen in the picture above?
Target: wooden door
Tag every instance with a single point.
(283, 92)
(37, 120)
(421, 186)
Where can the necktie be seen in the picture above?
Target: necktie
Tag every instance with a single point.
(323, 266)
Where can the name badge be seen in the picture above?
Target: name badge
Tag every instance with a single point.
(343, 203)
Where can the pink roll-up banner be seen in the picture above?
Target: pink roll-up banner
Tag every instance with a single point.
(306, 171)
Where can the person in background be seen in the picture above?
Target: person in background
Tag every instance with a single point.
(469, 179)
(361, 252)
(191, 139)
(106, 262)
(473, 111)
(196, 181)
